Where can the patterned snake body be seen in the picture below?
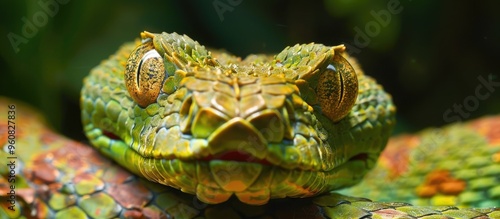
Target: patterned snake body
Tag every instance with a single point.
(298, 124)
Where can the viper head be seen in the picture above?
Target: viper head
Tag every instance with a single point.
(290, 125)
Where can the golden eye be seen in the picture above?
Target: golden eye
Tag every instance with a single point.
(337, 88)
(144, 74)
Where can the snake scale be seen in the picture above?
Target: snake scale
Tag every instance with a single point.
(262, 137)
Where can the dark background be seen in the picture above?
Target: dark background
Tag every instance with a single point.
(429, 56)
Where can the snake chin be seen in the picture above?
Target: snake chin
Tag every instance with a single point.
(214, 178)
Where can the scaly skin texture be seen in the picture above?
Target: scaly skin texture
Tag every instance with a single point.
(457, 165)
(57, 177)
(61, 178)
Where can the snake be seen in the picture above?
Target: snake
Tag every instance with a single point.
(180, 131)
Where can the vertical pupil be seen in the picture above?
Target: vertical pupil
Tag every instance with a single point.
(139, 72)
(148, 55)
(341, 89)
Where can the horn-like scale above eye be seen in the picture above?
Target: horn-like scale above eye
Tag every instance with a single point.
(337, 88)
(144, 74)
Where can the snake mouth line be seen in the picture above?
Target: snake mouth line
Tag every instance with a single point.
(360, 157)
(111, 135)
(248, 158)
(236, 156)
(233, 155)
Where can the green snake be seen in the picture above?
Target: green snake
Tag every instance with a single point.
(262, 137)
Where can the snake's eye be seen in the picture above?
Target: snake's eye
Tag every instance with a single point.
(144, 74)
(337, 88)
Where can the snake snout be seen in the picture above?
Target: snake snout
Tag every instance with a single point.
(238, 135)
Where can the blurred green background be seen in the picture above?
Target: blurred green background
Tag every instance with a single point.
(428, 54)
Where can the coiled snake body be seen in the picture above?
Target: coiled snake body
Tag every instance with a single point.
(263, 137)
